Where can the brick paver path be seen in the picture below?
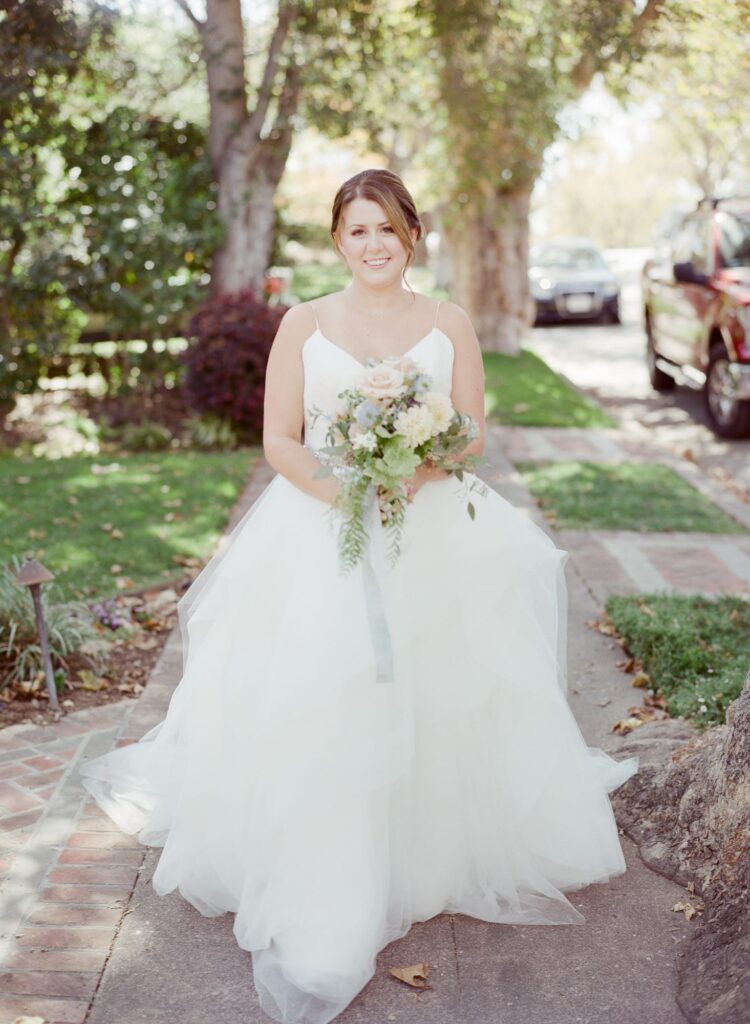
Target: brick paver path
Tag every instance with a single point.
(619, 561)
(66, 871)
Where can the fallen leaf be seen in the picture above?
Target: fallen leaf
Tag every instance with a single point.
(91, 681)
(29, 1020)
(116, 534)
(648, 714)
(640, 679)
(521, 407)
(415, 975)
(626, 725)
(145, 643)
(107, 527)
(651, 700)
(115, 568)
(123, 582)
(602, 625)
(188, 560)
(688, 909)
(23, 479)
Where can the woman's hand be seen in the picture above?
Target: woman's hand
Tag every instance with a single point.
(424, 474)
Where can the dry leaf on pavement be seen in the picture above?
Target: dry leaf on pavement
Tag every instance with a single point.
(688, 909)
(626, 725)
(415, 975)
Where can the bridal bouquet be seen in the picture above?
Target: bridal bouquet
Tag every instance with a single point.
(389, 423)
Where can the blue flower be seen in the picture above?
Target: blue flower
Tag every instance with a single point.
(367, 414)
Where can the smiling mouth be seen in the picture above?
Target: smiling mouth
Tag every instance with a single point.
(377, 263)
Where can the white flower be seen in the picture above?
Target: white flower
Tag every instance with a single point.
(382, 381)
(366, 440)
(415, 424)
(441, 409)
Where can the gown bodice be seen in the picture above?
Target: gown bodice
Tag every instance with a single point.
(329, 369)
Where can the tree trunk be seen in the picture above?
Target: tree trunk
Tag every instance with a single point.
(488, 243)
(248, 161)
(246, 206)
(688, 808)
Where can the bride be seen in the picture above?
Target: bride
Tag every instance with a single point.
(347, 754)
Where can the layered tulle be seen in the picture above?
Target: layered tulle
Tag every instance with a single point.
(332, 770)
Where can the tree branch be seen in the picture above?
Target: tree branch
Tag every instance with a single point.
(185, 7)
(649, 14)
(252, 127)
(587, 66)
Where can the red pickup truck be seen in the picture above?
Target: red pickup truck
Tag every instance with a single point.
(696, 303)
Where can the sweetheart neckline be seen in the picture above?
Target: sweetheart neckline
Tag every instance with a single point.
(363, 366)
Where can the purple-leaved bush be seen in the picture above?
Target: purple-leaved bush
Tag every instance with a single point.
(230, 339)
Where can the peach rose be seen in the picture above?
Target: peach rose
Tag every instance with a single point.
(384, 380)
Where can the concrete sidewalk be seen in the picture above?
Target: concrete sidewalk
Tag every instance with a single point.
(97, 945)
(83, 938)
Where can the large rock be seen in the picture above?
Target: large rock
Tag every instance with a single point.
(688, 809)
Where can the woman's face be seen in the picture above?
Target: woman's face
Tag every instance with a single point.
(373, 251)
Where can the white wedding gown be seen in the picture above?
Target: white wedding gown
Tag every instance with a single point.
(348, 754)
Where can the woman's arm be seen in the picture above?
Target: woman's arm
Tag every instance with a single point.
(467, 391)
(283, 409)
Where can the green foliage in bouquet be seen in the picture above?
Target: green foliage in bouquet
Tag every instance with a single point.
(390, 424)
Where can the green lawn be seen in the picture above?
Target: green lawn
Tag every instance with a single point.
(696, 650)
(606, 496)
(69, 513)
(524, 391)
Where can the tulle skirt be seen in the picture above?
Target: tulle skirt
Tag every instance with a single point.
(348, 753)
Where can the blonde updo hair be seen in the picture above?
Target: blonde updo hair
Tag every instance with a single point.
(387, 189)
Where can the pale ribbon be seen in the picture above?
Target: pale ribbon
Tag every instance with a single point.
(376, 618)
(379, 632)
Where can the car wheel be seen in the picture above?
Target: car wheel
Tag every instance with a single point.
(660, 381)
(729, 416)
(611, 315)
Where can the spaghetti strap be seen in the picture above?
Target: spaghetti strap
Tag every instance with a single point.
(437, 310)
(312, 307)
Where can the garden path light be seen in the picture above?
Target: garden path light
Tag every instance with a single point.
(32, 574)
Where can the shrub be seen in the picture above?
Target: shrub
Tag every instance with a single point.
(209, 433)
(231, 337)
(146, 436)
(69, 627)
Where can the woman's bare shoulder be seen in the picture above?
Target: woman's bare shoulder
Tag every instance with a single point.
(295, 327)
(456, 322)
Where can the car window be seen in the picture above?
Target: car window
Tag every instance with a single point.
(577, 258)
(692, 243)
(734, 239)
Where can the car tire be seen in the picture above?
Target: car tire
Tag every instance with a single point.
(611, 315)
(728, 418)
(660, 381)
